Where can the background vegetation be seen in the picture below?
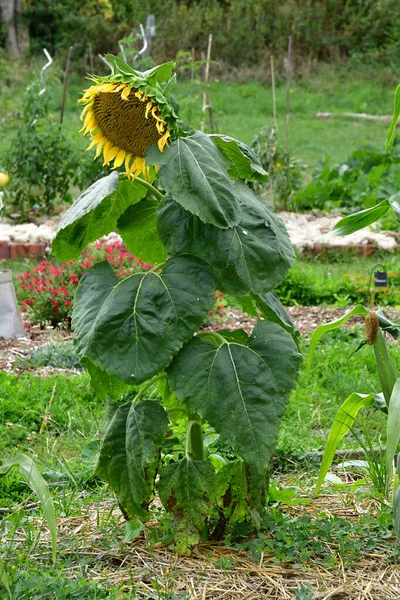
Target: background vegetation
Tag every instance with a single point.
(322, 30)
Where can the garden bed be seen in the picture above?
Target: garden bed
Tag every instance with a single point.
(219, 571)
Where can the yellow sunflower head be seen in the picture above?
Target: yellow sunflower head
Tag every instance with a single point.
(127, 112)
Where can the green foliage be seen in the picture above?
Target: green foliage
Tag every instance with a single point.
(368, 176)
(145, 327)
(361, 32)
(285, 171)
(41, 163)
(34, 479)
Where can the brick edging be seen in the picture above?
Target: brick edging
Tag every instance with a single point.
(16, 250)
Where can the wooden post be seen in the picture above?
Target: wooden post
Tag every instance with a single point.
(65, 85)
(206, 104)
(289, 72)
(274, 95)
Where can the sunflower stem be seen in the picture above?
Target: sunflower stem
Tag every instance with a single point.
(150, 187)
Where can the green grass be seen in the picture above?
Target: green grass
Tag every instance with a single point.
(242, 110)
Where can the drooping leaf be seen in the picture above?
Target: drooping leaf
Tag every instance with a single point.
(343, 422)
(245, 163)
(130, 453)
(393, 430)
(241, 390)
(138, 228)
(252, 257)
(319, 332)
(38, 484)
(187, 490)
(271, 308)
(135, 330)
(104, 384)
(388, 325)
(241, 493)
(360, 219)
(396, 113)
(93, 289)
(247, 305)
(94, 214)
(160, 73)
(121, 66)
(194, 173)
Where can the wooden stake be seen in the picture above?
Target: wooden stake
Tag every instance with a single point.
(273, 95)
(289, 71)
(65, 85)
(206, 104)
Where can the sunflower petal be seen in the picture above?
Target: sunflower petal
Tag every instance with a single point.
(119, 159)
(125, 93)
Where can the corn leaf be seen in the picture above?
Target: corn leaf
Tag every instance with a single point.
(344, 420)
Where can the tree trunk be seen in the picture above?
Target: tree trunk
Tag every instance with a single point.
(9, 16)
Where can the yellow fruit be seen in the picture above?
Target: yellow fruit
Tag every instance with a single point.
(4, 179)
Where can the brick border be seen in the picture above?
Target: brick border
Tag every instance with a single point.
(16, 250)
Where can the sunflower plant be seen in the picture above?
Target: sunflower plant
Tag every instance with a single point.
(192, 415)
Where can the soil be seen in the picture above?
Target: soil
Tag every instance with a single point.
(306, 318)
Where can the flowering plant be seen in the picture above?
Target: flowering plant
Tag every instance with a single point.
(182, 204)
(46, 291)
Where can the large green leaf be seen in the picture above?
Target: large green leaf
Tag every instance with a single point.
(396, 113)
(135, 330)
(138, 229)
(271, 309)
(187, 491)
(94, 287)
(252, 257)
(393, 430)
(104, 384)
(94, 214)
(245, 163)
(343, 422)
(241, 390)
(195, 174)
(34, 479)
(130, 453)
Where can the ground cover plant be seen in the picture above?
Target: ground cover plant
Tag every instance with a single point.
(144, 329)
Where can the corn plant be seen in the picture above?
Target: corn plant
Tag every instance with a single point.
(183, 205)
(389, 399)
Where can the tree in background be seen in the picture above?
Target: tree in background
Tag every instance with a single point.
(16, 34)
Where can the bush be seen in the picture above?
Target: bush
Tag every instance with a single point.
(42, 164)
(285, 171)
(368, 176)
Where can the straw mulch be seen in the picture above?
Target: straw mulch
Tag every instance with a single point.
(158, 572)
